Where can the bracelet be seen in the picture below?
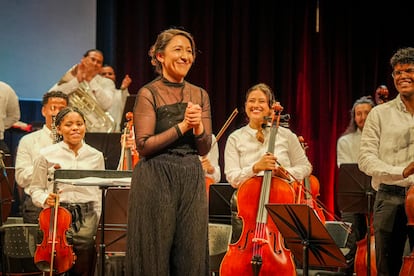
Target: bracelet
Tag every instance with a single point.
(178, 131)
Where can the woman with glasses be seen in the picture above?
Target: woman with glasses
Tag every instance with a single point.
(387, 154)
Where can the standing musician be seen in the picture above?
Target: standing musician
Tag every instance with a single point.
(89, 91)
(246, 155)
(347, 151)
(29, 147)
(83, 202)
(387, 154)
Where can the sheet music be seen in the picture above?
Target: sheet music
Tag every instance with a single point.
(97, 181)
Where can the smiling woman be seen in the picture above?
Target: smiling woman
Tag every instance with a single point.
(83, 202)
(172, 128)
(70, 124)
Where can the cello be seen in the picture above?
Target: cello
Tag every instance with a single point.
(54, 254)
(260, 249)
(407, 267)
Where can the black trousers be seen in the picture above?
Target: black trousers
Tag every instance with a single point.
(390, 228)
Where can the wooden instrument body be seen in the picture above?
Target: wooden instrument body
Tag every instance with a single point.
(277, 260)
(408, 261)
(54, 254)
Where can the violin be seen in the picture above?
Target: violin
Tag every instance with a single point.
(129, 156)
(260, 249)
(54, 254)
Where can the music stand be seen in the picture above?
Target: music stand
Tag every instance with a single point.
(102, 178)
(355, 195)
(219, 203)
(306, 236)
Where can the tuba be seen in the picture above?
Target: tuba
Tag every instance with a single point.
(97, 120)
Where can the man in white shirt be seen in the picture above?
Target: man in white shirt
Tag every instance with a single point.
(387, 155)
(30, 146)
(85, 76)
(9, 112)
(119, 97)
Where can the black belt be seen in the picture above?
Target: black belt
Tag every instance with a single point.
(393, 189)
(77, 210)
(83, 207)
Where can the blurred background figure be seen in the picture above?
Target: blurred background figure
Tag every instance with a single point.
(9, 112)
(347, 151)
(381, 94)
(119, 97)
(89, 91)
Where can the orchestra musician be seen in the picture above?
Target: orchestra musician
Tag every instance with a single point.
(119, 97)
(246, 155)
(29, 147)
(387, 155)
(347, 152)
(210, 162)
(83, 202)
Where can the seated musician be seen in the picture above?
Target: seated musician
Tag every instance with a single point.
(210, 162)
(83, 202)
(246, 153)
(29, 147)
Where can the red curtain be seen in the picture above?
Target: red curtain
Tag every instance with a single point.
(319, 56)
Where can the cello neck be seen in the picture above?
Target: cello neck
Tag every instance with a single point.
(267, 178)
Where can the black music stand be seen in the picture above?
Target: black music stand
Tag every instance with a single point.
(61, 176)
(355, 195)
(219, 203)
(306, 236)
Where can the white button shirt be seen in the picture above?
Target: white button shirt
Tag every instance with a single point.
(243, 150)
(27, 151)
(88, 158)
(387, 144)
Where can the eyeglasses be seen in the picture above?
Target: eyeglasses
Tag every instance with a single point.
(398, 73)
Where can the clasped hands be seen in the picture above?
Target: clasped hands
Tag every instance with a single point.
(192, 119)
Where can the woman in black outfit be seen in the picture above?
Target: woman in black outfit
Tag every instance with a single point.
(168, 209)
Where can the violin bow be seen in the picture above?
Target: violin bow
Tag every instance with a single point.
(226, 124)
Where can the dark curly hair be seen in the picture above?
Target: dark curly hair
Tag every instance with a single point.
(403, 56)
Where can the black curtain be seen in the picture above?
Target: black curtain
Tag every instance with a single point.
(319, 56)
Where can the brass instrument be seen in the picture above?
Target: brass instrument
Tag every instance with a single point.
(97, 120)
